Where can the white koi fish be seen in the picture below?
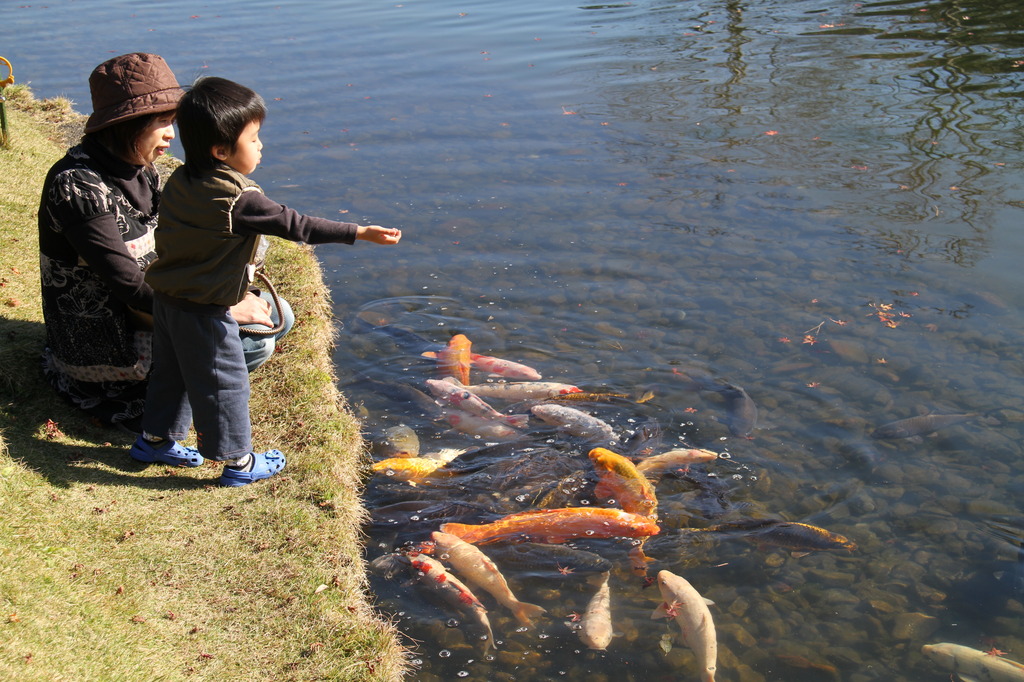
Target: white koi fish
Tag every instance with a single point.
(467, 401)
(682, 602)
(973, 665)
(518, 390)
(576, 422)
(596, 625)
(478, 569)
(472, 425)
(674, 459)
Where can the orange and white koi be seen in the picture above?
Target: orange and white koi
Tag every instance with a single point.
(681, 601)
(478, 569)
(557, 526)
(467, 401)
(454, 359)
(619, 480)
(432, 574)
(518, 390)
(472, 425)
(504, 368)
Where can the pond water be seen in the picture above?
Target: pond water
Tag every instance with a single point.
(817, 202)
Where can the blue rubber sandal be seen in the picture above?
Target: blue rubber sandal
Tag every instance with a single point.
(167, 452)
(265, 465)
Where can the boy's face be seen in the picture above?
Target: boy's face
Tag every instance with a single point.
(246, 153)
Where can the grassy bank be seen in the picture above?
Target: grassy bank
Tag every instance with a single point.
(112, 570)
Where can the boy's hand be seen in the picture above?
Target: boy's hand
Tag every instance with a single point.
(378, 234)
(252, 310)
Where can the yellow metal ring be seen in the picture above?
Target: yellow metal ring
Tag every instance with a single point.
(10, 78)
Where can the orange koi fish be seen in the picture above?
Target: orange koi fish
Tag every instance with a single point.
(557, 526)
(619, 480)
(504, 368)
(454, 359)
(409, 469)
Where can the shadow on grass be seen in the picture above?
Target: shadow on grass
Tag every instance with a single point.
(56, 440)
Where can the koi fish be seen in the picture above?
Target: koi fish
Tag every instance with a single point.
(684, 603)
(481, 571)
(644, 440)
(596, 625)
(412, 470)
(402, 392)
(618, 479)
(787, 534)
(401, 515)
(696, 379)
(454, 359)
(972, 664)
(504, 368)
(537, 557)
(742, 410)
(557, 526)
(479, 427)
(674, 459)
(518, 390)
(589, 397)
(398, 441)
(452, 591)
(404, 339)
(919, 426)
(467, 401)
(638, 559)
(575, 422)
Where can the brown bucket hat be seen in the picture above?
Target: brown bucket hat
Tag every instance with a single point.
(129, 86)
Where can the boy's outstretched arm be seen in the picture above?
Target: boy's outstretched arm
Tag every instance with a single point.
(378, 234)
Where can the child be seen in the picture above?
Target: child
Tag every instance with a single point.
(209, 239)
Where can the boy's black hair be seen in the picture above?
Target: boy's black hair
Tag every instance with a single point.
(215, 111)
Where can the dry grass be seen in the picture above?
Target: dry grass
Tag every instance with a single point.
(115, 570)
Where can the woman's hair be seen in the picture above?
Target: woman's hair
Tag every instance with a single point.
(215, 111)
(122, 139)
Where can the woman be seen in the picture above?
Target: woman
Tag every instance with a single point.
(96, 221)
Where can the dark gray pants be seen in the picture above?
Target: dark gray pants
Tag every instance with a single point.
(199, 375)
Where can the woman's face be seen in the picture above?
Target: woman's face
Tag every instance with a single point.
(155, 139)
